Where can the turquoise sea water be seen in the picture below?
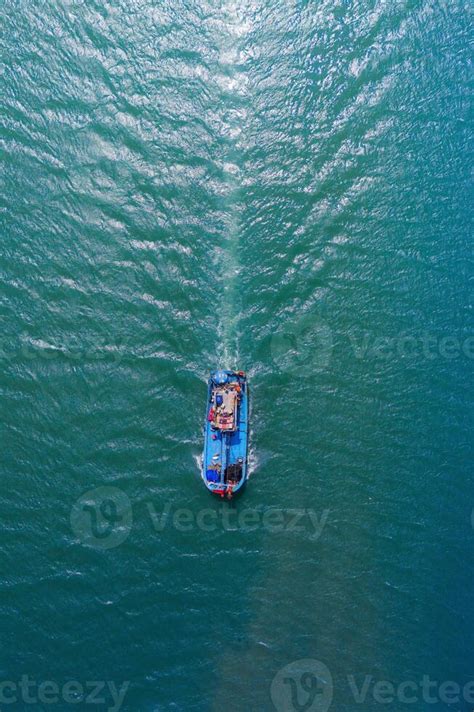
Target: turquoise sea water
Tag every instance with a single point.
(278, 186)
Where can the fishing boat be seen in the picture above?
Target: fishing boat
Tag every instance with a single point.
(224, 466)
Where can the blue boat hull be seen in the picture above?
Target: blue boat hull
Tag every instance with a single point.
(225, 458)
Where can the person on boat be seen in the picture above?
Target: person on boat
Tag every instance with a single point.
(211, 415)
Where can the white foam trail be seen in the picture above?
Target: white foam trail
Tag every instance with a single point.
(233, 83)
(228, 335)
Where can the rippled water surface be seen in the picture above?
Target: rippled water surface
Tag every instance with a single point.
(282, 186)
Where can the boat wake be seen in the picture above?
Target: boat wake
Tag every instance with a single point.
(232, 81)
(228, 327)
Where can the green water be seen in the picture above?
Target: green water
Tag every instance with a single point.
(278, 186)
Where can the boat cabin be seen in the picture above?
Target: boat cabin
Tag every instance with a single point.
(223, 411)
